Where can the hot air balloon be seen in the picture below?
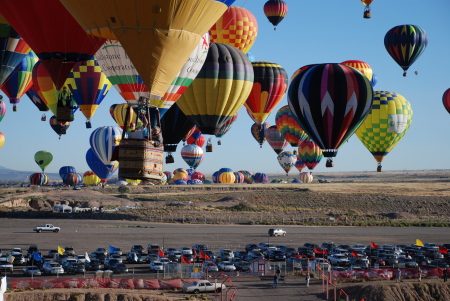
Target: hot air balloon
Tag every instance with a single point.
(330, 101)
(367, 13)
(180, 174)
(180, 182)
(306, 177)
(13, 49)
(250, 56)
(39, 179)
(72, 179)
(248, 176)
(275, 11)
(175, 125)
(158, 36)
(237, 27)
(192, 154)
(220, 89)
(2, 139)
(198, 176)
(299, 164)
(268, 89)
(118, 113)
(227, 177)
(19, 81)
(215, 177)
(60, 128)
(195, 182)
(66, 170)
(260, 177)
(53, 34)
(361, 66)
(2, 108)
(103, 171)
(196, 138)
(239, 177)
(103, 141)
(43, 159)
(226, 127)
(60, 102)
(259, 132)
(287, 161)
(88, 85)
(90, 178)
(387, 123)
(310, 153)
(445, 100)
(374, 80)
(289, 127)
(37, 100)
(405, 44)
(275, 139)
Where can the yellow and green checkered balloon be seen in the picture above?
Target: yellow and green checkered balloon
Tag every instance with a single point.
(387, 123)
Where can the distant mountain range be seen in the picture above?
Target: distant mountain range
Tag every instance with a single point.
(7, 174)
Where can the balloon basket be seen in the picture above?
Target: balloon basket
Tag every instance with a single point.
(209, 148)
(88, 125)
(140, 160)
(43, 118)
(329, 163)
(170, 159)
(219, 142)
(367, 14)
(14, 108)
(64, 114)
(379, 168)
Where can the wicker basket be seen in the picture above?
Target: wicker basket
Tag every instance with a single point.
(140, 160)
(64, 114)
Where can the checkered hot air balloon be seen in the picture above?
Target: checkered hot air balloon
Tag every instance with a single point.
(387, 123)
(275, 11)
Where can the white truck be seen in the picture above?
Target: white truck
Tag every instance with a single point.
(203, 286)
(46, 227)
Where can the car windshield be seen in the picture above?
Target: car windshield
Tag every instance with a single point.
(54, 265)
(157, 263)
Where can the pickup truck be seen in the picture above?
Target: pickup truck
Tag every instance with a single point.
(46, 227)
(203, 286)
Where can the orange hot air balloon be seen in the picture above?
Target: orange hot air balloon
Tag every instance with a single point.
(2, 139)
(361, 66)
(237, 27)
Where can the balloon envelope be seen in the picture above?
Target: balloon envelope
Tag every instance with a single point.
(43, 158)
(98, 167)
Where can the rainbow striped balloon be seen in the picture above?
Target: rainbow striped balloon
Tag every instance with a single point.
(289, 127)
(248, 176)
(310, 153)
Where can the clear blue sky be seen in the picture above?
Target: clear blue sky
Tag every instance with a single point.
(327, 31)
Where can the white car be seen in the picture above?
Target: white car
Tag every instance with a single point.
(164, 260)
(203, 286)
(16, 252)
(31, 270)
(156, 266)
(186, 250)
(52, 268)
(338, 259)
(80, 258)
(226, 266)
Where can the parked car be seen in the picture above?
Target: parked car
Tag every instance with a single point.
(80, 258)
(438, 263)
(241, 254)
(52, 268)
(111, 262)
(5, 265)
(116, 256)
(137, 249)
(186, 250)
(51, 253)
(151, 257)
(254, 254)
(119, 268)
(210, 266)
(16, 252)
(156, 266)
(338, 260)
(118, 251)
(175, 256)
(69, 250)
(226, 266)
(134, 257)
(75, 268)
(277, 232)
(408, 262)
(249, 247)
(225, 254)
(243, 266)
(203, 286)
(306, 252)
(31, 249)
(101, 250)
(19, 260)
(99, 256)
(93, 265)
(276, 255)
(32, 270)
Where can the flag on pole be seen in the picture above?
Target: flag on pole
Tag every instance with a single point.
(87, 258)
(443, 250)
(9, 258)
(61, 250)
(185, 260)
(112, 250)
(36, 256)
(374, 245)
(204, 256)
(135, 257)
(316, 250)
(354, 253)
(161, 253)
(419, 243)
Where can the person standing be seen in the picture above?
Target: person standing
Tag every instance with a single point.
(307, 278)
(275, 281)
(398, 275)
(419, 274)
(445, 274)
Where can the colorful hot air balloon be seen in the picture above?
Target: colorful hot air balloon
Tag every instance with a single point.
(53, 34)
(66, 170)
(330, 101)
(215, 177)
(387, 123)
(103, 171)
(306, 177)
(299, 164)
(2, 139)
(198, 176)
(19, 81)
(268, 89)
(12, 47)
(275, 11)
(361, 66)
(60, 128)
(367, 13)
(226, 126)
(220, 89)
(227, 177)
(374, 80)
(196, 138)
(239, 177)
(259, 132)
(287, 161)
(237, 27)
(260, 177)
(310, 153)
(250, 56)
(248, 176)
(275, 139)
(43, 159)
(90, 178)
(118, 113)
(158, 57)
(89, 86)
(39, 179)
(2, 108)
(192, 154)
(289, 127)
(445, 101)
(103, 142)
(180, 174)
(405, 44)
(36, 99)
(72, 179)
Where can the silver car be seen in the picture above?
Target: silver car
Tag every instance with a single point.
(31, 270)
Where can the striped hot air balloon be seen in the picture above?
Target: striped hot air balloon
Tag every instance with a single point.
(275, 139)
(90, 178)
(192, 154)
(39, 179)
(227, 177)
(310, 153)
(306, 177)
(259, 132)
(275, 11)
(103, 171)
(248, 176)
(260, 177)
(289, 127)
(103, 141)
(239, 177)
(362, 67)
(299, 164)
